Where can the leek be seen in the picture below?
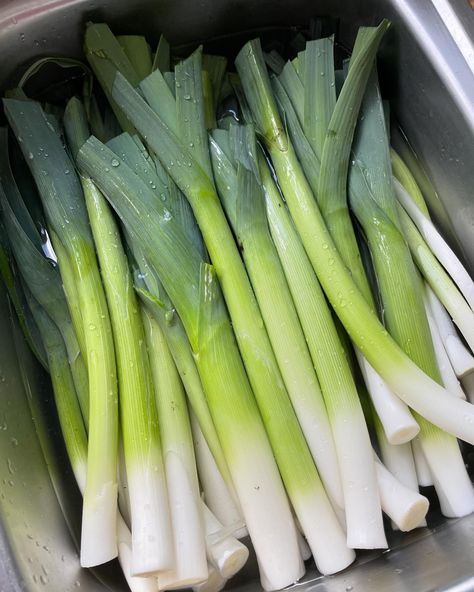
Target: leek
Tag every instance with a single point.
(151, 531)
(448, 376)
(437, 244)
(399, 461)
(425, 479)
(74, 433)
(407, 508)
(201, 308)
(340, 394)
(460, 357)
(374, 204)
(403, 376)
(224, 551)
(403, 174)
(18, 299)
(243, 200)
(396, 417)
(63, 201)
(216, 492)
(190, 565)
(319, 91)
(438, 280)
(70, 290)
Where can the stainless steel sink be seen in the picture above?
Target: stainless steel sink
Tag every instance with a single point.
(428, 75)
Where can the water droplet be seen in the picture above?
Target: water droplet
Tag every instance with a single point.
(114, 162)
(43, 579)
(349, 588)
(325, 246)
(187, 97)
(92, 327)
(14, 442)
(30, 155)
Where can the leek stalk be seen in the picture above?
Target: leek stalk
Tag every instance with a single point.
(63, 201)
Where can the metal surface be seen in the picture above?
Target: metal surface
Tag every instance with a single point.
(427, 76)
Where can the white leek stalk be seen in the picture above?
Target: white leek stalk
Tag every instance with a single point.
(190, 565)
(399, 461)
(214, 583)
(423, 472)
(224, 551)
(407, 508)
(439, 281)
(216, 493)
(461, 358)
(446, 370)
(437, 244)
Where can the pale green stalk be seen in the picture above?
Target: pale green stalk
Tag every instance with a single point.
(439, 281)
(65, 398)
(431, 197)
(214, 69)
(403, 174)
(443, 252)
(190, 110)
(63, 201)
(70, 290)
(364, 328)
(274, 61)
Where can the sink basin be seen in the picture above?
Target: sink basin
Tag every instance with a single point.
(427, 61)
